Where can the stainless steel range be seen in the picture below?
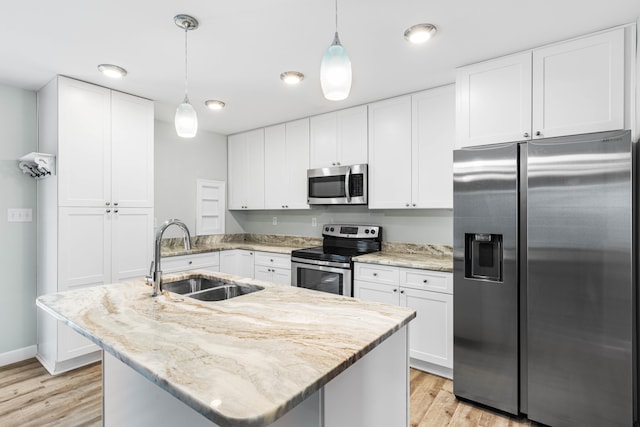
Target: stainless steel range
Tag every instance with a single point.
(329, 267)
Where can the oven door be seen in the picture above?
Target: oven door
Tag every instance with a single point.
(335, 280)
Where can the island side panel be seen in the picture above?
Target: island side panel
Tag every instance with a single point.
(129, 399)
(374, 392)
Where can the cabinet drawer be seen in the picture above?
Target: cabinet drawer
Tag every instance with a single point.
(273, 260)
(190, 262)
(377, 273)
(426, 280)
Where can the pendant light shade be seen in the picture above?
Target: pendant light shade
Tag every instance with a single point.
(186, 119)
(335, 72)
(335, 69)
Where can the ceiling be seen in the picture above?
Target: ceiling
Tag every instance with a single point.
(241, 47)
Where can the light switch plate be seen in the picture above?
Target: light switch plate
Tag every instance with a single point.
(20, 215)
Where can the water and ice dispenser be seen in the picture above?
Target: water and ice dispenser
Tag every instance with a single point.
(483, 256)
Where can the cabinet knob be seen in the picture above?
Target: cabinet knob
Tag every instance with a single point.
(108, 210)
(190, 262)
(402, 292)
(538, 133)
(395, 290)
(286, 206)
(375, 274)
(407, 205)
(115, 211)
(414, 205)
(424, 281)
(337, 163)
(526, 135)
(108, 203)
(115, 204)
(271, 260)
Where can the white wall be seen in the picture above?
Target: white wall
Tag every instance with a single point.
(179, 162)
(18, 136)
(409, 226)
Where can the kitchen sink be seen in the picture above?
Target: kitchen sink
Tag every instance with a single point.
(187, 286)
(209, 289)
(224, 292)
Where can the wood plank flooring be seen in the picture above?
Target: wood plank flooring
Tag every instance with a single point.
(30, 397)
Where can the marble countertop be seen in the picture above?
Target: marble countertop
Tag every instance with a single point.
(426, 257)
(251, 242)
(245, 361)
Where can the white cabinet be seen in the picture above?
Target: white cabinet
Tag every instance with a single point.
(339, 138)
(272, 267)
(246, 170)
(209, 261)
(286, 163)
(95, 216)
(238, 262)
(105, 147)
(567, 88)
(411, 141)
(430, 293)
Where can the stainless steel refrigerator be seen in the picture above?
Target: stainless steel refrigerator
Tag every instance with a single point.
(544, 279)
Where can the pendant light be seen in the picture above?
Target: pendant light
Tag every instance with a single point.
(335, 69)
(186, 119)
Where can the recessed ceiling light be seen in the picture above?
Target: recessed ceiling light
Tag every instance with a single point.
(112, 71)
(292, 77)
(420, 33)
(214, 104)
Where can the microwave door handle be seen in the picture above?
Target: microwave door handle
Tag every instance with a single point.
(347, 178)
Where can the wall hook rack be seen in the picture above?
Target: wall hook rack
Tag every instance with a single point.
(38, 165)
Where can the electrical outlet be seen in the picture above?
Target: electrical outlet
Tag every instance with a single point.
(314, 222)
(20, 215)
(275, 220)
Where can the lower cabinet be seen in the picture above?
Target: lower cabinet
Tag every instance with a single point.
(430, 293)
(272, 267)
(206, 261)
(238, 262)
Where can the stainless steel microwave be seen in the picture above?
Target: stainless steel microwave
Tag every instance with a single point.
(339, 185)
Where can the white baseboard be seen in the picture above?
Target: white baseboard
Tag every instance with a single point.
(18, 355)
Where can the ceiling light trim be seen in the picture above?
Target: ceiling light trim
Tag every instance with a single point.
(113, 71)
(420, 33)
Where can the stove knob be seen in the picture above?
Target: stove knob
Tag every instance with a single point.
(326, 229)
(366, 231)
(373, 231)
(332, 228)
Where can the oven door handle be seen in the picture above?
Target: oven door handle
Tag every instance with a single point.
(347, 178)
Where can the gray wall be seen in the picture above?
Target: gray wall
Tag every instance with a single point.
(409, 226)
(18, 136)
(179, 162)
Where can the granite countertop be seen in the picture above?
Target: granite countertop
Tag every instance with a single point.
(244, 361)
(252, 242)
(427, 257)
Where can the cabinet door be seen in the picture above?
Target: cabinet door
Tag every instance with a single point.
(238, 262)
(131, 151)
(132, 242)
(578, 86)
(378, 292)
(254, 167)
(494, 101)
(228, 261)
(275, 167)
(245, 264)
(323, 150)
(297, 163)
(432, 330)
(84, 144)
(263, 273)
(390, 153)
(281, 276)
(433, 139)
(236, 174)
(352, 136)
(84, 247)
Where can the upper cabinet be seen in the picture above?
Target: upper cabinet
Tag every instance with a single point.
(246, 170)
(339, 138)
(566, 88)
(286, 164)
(411, 141)
(105, 147)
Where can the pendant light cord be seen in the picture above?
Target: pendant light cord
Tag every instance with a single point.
(336, 16)
(186, 70)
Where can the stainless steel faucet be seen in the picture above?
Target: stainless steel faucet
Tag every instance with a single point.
(155, 275)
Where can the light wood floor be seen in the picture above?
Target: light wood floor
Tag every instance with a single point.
(30, 397)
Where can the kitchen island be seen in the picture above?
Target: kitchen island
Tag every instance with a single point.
(281, 356)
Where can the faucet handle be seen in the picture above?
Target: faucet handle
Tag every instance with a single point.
(149, 278)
